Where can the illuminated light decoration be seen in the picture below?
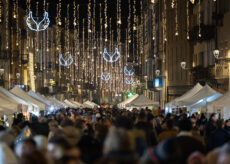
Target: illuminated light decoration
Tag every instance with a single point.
(105, 77)
(129, 72)
(65, 62)
(130, 94)
(129, 81)
(173, 4)
(192, 1)
(183, 65)
(111, 58)
(39, 26)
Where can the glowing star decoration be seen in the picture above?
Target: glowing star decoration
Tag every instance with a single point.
(105, 77)
(111, 58)
(129, 81)
(128, 72)
(65, 62)
(35, 25)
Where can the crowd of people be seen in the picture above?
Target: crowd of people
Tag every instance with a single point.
(112, 136)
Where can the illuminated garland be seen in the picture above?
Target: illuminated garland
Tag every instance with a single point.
(111, 58)
(105, 78)
(65, 62)
(45, 20)
(129, 72)
(129, 81)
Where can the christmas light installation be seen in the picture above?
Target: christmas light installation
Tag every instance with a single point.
(105, 77)
(39, 26)
(128, 72)
(111, 58)
(129, 81)
(65, 62)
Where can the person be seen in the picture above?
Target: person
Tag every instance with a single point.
(34, 157)
(169, 132)
(25, 146)
(227, 126)
(6, 155)
(119, 148)
(224, 155)
(210, 126)
(53, 125)
(147, 127)
(186, 142)
(165, 152)
(217, 138)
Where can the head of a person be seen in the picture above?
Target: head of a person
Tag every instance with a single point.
(123, 122)
(224, 155)
(57, 147)
(220, 123)
(53, 125)
(118, 140)
(165, 152)
(35, 157)
(227, 123)
(142, 116)
(213, 117)
(41, 142)
(25, 146)
(185, 125)
(66, 122)
(170, 124)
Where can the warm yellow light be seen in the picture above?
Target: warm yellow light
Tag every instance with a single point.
(193, 1)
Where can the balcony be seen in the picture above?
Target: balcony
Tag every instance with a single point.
(221, 71)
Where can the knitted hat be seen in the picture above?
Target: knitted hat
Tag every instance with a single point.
(166, 151)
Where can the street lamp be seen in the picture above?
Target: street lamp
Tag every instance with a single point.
(183, 65)
(158, 72)
(216, 53)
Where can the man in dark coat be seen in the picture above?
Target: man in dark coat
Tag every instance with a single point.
(186, 142)
(210, 126)
(217, 138)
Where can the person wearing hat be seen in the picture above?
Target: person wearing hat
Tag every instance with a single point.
(164, 153)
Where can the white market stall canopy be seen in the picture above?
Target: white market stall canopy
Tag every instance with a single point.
(141, 102)
(177, 102)
(8, 106)
(205, 95)
(6, 93)
(39, 98)
(90, 104)
(23, 95)
(222, 105)
(77, 103)
(122, 104)
(57, 102)
(69, 104)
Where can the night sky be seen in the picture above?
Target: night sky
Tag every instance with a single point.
(84, 9)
